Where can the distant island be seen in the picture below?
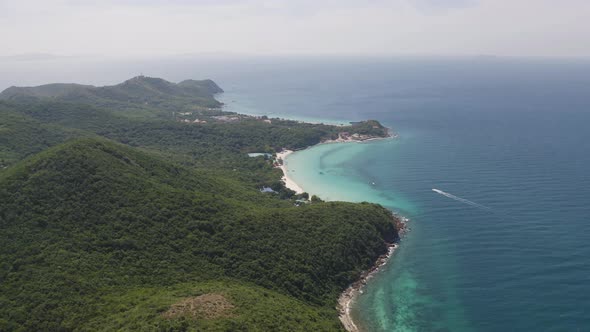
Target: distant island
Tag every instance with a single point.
(136, 207)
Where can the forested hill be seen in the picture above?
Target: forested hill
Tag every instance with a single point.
(148, 92)
(111, 222)
(140, 88)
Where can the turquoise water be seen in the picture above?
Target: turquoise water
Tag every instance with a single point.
(511, 137)
(509, 134)
(325, 170)
(332, 171)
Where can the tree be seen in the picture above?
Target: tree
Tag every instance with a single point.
(316, 199)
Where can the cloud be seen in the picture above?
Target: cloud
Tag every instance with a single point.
(438, 6)
(144, 3)
(132, 27)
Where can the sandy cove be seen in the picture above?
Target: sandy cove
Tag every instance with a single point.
(289, 183)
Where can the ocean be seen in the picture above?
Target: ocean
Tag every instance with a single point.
(503, 245)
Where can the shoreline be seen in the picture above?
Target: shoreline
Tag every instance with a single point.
(351, 293)
(390, 135)
(289, 183)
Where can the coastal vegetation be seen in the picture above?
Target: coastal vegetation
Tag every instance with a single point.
(115, 216)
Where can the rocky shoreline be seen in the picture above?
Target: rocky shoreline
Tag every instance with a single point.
(351, 293)
(360, 138)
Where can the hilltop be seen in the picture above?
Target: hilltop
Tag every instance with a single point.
(139, 88)
(138, 92)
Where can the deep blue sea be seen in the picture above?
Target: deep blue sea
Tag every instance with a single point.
(508, 140)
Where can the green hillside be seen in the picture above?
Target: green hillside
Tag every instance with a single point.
(90, 222)
(22, 135)
(146, 96)
(55, 90)
(116, 216)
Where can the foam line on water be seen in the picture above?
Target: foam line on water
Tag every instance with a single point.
(462, 200)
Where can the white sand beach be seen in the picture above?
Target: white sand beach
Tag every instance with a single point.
(289, 183)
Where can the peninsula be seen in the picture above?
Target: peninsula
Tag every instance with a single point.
(136, 207)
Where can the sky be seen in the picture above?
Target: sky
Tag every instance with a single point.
(559, 28)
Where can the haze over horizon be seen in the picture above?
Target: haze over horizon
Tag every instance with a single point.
(259, 27)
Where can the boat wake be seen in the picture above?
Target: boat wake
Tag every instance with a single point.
(462, 200)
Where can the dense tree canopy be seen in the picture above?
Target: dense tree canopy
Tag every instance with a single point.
(108, 219)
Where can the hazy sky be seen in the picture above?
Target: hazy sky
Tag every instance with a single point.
(425, 27)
